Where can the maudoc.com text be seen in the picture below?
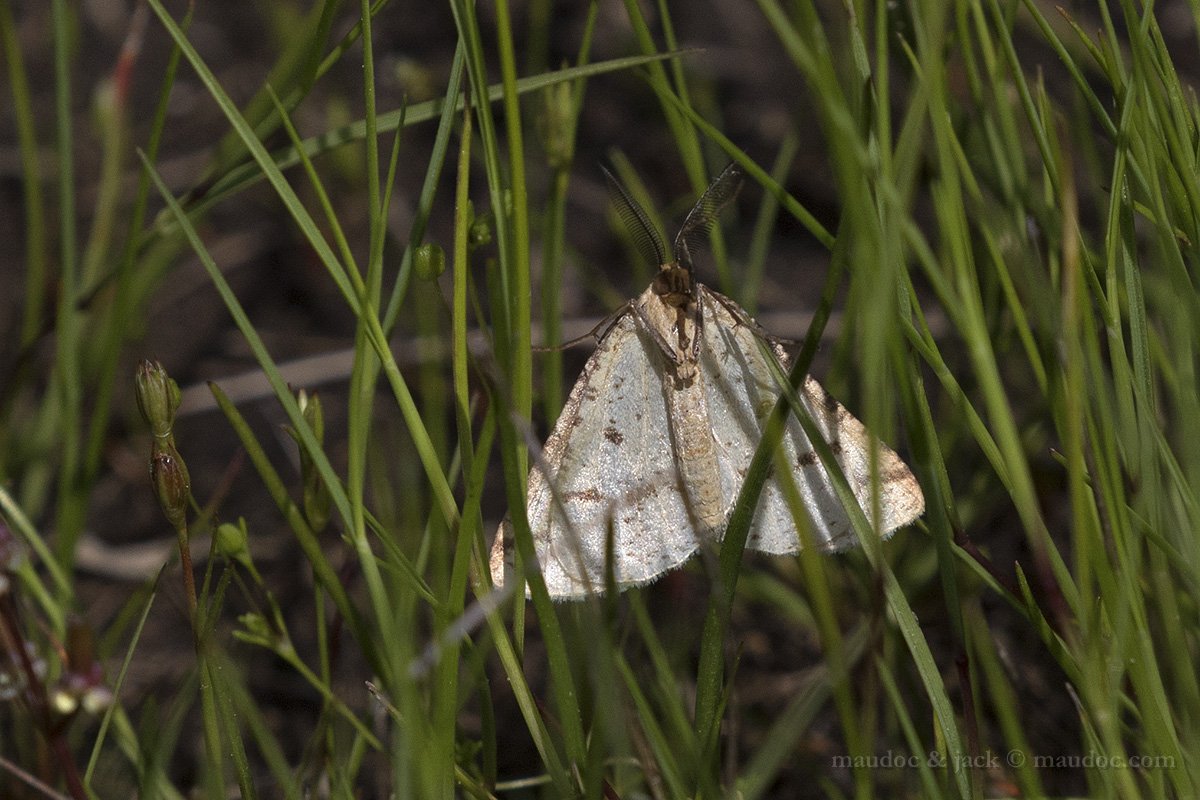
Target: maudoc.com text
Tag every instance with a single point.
(992, 759)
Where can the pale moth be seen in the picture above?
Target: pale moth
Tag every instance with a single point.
(656, 436)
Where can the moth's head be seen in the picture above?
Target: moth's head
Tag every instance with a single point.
(673, 284)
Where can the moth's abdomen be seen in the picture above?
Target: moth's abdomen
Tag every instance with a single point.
(696, 454)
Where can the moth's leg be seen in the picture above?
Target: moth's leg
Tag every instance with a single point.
(698, 316)
(777, 343)
(595, 334)
(737, 312)
(668, 350)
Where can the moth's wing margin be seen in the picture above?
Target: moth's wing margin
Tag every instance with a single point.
(900, 498)
(742, 390)
(610, 462)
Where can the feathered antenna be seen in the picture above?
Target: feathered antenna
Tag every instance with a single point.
(646, 238)
(704, 214)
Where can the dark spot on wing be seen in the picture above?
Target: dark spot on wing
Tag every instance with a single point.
(613, 435)
(836, 447)
(807, 459)
(897, 472)
(640, 493)
(592, 495)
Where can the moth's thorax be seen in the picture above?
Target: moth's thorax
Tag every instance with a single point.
(673, 285)
(670, 310)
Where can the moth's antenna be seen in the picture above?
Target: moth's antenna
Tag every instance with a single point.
(645, 236)
(700, 219)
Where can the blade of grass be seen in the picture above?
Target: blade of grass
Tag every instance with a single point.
(563, 106)
(67, 376)
(920, 753)
(107, 719)
(662, 745)
(240, 177)
(36, 247)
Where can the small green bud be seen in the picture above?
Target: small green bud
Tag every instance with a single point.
(418, 81)
(310, 409)
(558, 124)
(257, 629)
(157, 397)
(317, 500)
(232, 540)
(347, 164)
(429, 261)
(480, 233)
(172, 484)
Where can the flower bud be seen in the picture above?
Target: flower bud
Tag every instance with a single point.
(480, 232)
(157, 397)
(256, 629)
(310, 409)
(172, 484)
(429, 261)
(558, 124)
(317, 499)
(233, 542)
(416, 80)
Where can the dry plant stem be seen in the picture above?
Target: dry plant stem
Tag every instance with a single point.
(37, 699)
(29, 779)
(189, 580)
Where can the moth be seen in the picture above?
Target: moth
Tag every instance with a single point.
(653, 444)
